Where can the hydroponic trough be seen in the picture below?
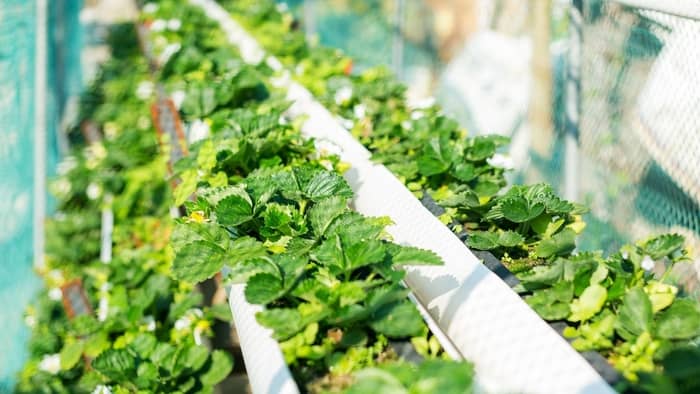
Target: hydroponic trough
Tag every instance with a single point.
(512, 348)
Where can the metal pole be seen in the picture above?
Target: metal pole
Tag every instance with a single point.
(309, 11)
(573, 101)
(40, 102)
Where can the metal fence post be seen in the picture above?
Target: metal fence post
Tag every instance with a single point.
(573, 101)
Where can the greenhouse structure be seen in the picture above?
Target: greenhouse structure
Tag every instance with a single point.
(350, 196)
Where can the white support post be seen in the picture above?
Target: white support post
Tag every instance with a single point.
(40, 103)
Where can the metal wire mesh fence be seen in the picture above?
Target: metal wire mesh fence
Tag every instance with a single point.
(639, 120)
(600, 97)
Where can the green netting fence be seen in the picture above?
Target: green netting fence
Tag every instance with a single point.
(22, 46)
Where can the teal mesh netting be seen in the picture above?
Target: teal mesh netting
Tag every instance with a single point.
(18, 19)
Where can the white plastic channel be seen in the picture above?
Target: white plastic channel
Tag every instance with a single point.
(512, 348)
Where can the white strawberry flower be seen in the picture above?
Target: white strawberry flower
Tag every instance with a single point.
(174, 24)
(501, 161)
(93, 191)
(30, 320)
(159, 25)
(150, 8)
(417, 114)
(178, 98)
(197, 334)
(360, 110)
(145, 90)
(168, 51)
(183, 323)
(343, 95)
(647, 263)
(282, 7)
(51, 363)
(55, 294)
(66, 165)
(56, 275)
(421, 103)
(198, 130)
(149, 322)
(102, 389)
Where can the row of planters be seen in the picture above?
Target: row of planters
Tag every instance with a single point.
(620, 305)
(120, 323)
(261, 200)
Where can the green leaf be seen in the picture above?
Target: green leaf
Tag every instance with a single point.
(360, 254)
(663, 245)
(322, 214)
(680, 321)
(221, 312)
(398, 320)
(465, 172)
(235, 209)
(683, 363)
(544, 275)
(517, 210)
(96, 344)
(206, 156)
(200, 101)
(589, 304)
(481, 149)
(263, 288)
(552, 303)
(195, 357)
(436, 158)
(483, 240)
(325, 184)
(660, 294)
(635, 314)
(186, 187)
(409, 255)
(116, 364)
(330, 254)
(144, 344)
(510, 239)
(185, 233)
(70, 354)
(560, 244)
(374, 380)
(219, 368)
(198, 261)
(442, 376)
(147, 375)
(286, 322)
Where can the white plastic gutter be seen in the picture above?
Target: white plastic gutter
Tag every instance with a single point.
(512, 348)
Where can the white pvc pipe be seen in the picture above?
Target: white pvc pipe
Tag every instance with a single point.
(512, 348)
(265, 366)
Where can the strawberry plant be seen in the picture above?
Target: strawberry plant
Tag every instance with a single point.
(141, 330)
(529, 228)
(275, 212)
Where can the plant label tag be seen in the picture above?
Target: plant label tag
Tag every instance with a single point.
(75, 300)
